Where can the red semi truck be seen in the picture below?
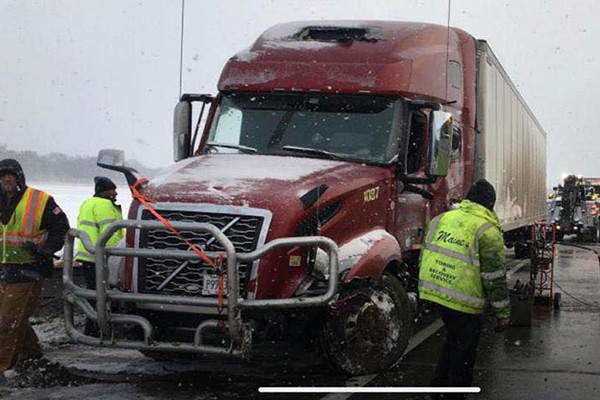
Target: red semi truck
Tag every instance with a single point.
(311, 178)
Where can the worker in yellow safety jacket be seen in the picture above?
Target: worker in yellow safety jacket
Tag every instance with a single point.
(461, 269)
(95, 215)
(33, 228)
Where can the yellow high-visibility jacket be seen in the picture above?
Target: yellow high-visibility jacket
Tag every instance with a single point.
(95, 214)
(462, 261)
(23, 227)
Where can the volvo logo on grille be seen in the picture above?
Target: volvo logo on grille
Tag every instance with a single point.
(192, 288)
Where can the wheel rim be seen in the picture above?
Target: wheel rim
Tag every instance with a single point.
(373, 322)
(370, 333)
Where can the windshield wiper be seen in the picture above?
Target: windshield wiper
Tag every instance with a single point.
(281, 127)
(309, 150)
(240, 147)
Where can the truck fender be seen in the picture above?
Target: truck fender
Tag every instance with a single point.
(367, 256)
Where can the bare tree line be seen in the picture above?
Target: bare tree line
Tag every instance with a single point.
(59, 167)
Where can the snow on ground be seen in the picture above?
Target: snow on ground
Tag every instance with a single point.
(58, 347)
(103, 391)
(117, 361)
(67, 366)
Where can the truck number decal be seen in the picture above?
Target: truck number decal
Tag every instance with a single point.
(371, 194)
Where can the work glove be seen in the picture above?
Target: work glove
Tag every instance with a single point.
(31, 247)
(43, 259)
(501, 324)
(41, 253)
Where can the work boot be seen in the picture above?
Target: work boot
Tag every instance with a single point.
(30, 346)
(30, 356)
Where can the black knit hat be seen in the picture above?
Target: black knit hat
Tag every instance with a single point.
(482, 192)
(102, 184)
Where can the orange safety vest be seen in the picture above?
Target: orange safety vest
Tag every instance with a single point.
(23, 227)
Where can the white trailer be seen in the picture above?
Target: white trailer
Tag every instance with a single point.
(510, 147)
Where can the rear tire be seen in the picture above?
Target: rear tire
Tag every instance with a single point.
(369, 331)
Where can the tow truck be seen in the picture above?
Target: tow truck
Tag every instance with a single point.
(574, 207)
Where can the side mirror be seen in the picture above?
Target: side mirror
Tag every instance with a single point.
(114, 159)
(183, 142)
(109, 158)
(440, 143)
(182, 130)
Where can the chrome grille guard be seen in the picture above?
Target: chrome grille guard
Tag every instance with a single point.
(238, 331)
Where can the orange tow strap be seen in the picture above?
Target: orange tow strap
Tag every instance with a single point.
(220, 293)
(220, 283)
(218, 266)
(146, 202)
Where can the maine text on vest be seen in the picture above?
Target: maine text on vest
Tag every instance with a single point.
(447, 237)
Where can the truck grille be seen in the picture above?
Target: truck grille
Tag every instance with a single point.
(242, 230)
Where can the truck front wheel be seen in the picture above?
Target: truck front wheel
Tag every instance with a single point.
(369, 328)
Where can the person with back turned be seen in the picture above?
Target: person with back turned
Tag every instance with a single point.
(461, 269)
(95, 215)
(33, 229)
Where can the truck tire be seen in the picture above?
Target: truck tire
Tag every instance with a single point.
(369, 332)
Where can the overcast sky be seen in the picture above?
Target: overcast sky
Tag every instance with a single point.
(77, 76)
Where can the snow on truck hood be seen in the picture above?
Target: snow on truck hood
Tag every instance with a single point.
(242, 179)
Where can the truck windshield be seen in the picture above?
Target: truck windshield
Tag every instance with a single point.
(355, 128)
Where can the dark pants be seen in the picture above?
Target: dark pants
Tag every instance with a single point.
(89, 274)
(18, 340)
(455, 366)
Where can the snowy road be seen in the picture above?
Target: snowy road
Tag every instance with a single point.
(74, 371)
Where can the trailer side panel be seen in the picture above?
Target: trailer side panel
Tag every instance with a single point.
(511, 145)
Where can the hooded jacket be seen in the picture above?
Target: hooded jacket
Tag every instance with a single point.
(53, 221)
(462, 262)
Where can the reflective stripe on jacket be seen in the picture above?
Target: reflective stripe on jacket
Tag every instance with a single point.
(24, 226)
(95, 215)
(462, 261)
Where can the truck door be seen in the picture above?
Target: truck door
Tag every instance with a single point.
(412, 209)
